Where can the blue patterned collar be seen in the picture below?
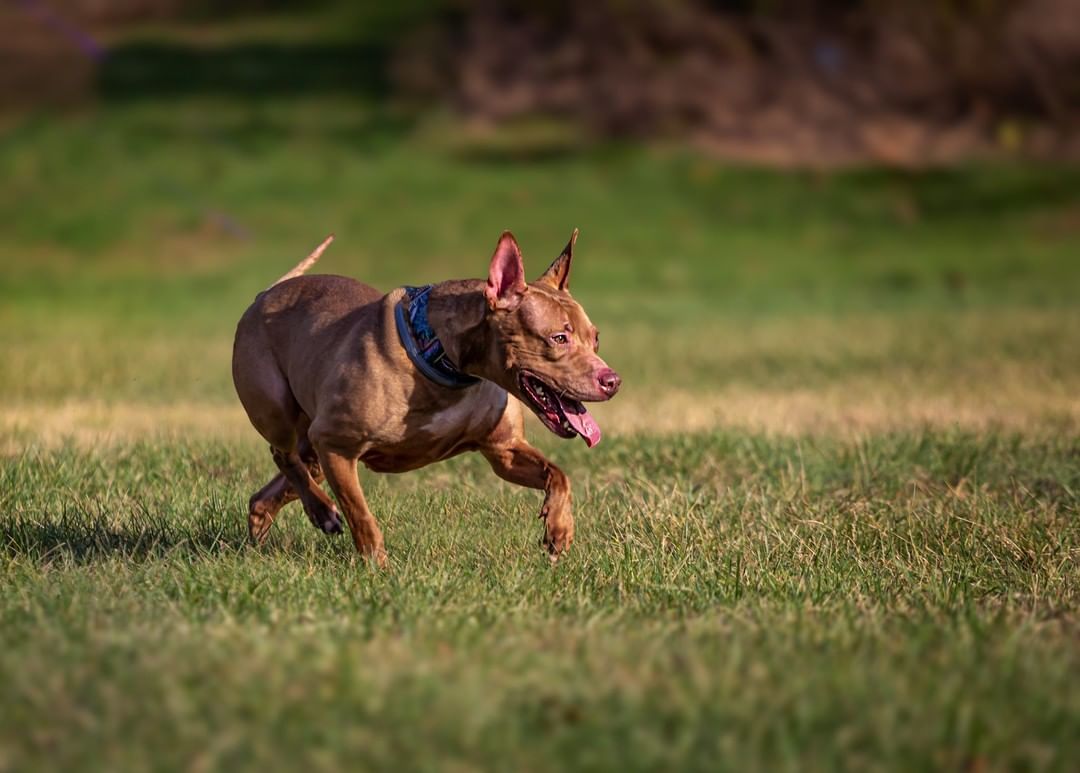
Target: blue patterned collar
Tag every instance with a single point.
(422, 345)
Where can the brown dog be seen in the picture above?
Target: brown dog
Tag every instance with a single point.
(332, 372)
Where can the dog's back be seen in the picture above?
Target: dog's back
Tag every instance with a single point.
(279, 332)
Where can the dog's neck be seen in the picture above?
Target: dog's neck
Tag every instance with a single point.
(456, 311)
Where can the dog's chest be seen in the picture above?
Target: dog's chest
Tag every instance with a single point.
(430, 435)
(478, 410)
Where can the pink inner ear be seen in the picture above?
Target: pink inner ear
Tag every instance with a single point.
(506, 276)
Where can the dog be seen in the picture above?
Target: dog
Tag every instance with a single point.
(332, 372)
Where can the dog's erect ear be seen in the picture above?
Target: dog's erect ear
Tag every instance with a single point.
(506, 276)
(558, 274)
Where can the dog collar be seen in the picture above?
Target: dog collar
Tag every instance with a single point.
(422, 345)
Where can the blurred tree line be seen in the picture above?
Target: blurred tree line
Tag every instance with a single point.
(832, 81)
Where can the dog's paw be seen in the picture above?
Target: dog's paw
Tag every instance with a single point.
(259, 523)
(557, 538)
(325, 518)
(331, 523)
(258, 529)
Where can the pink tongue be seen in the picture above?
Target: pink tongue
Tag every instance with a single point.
(583, 424)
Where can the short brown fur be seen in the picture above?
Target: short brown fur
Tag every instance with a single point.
(322, 374)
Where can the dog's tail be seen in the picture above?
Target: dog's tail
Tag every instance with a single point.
(307, 262)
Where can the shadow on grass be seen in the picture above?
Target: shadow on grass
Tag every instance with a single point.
(86, 537)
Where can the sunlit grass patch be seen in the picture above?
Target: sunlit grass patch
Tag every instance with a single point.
(732, 599)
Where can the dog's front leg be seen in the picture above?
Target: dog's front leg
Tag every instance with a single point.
(518, 462)
(340, 471)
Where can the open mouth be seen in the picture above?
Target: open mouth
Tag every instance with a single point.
(562, 415)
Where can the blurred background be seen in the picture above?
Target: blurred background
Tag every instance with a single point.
(832, 247)
(795, 214)
(798, 82)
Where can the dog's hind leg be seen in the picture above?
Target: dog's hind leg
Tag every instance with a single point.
(320, 509)
(265, 503)
(270, 405)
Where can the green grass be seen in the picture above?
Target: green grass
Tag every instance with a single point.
(134, 237)
(732, 601)
(833, 522)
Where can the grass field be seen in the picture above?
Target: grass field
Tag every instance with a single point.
(833, 522)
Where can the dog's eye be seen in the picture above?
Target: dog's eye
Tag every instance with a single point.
(596, 346)
(560, 338)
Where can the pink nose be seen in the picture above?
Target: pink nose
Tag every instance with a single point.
(609, 381)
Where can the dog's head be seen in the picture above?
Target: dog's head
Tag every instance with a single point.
(543, 348)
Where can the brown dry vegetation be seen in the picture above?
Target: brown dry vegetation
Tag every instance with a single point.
(896, 83)
(792, 83)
